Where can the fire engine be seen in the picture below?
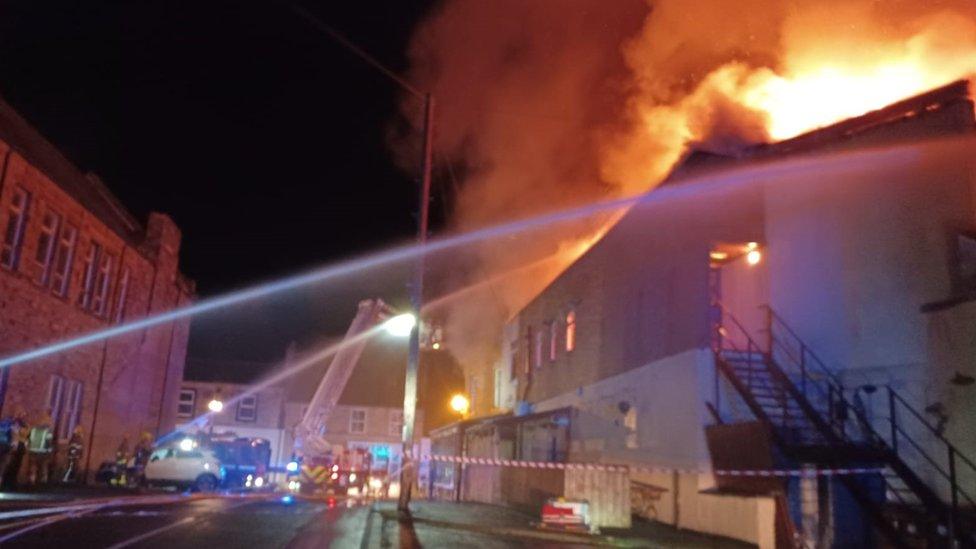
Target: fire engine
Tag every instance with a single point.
(317, 465)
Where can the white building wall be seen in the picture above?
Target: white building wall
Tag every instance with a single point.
(855, 251)
(667, 395)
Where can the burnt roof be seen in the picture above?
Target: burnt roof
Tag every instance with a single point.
(87, 189)
(929, 105)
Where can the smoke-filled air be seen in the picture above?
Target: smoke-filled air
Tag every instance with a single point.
(546, 104)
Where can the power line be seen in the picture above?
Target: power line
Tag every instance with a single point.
(361, 53)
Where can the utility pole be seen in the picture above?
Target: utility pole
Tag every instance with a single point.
(408, 469)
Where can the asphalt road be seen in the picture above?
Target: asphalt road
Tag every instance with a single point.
(207, 523)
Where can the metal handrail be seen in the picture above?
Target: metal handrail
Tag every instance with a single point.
(833, 381)
(921, 452)
(803, 347)
(775, 321)
(954, 453)
(925, 422)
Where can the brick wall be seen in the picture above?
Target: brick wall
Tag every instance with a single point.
(125, 378)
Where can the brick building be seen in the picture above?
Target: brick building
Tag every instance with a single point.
(656, 347)
(72, 261)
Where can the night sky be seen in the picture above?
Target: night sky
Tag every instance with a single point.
(264, 139)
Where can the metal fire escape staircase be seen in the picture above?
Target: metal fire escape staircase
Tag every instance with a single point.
(815, 420)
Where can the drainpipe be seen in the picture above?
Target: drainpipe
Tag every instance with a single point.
(5, 374)
(98, 400)
(169, 358)
(101, 369)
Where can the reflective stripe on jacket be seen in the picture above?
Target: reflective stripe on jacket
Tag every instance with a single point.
(40, 439)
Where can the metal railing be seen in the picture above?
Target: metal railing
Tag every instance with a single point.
(899, 433)
(818, 383)
(907, 425)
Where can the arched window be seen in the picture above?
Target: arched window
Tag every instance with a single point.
(570, 331)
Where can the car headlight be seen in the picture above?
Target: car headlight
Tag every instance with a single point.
(352, 477)
(259, 482)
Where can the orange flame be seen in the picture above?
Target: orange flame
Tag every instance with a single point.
(816, 92)
(705, 72)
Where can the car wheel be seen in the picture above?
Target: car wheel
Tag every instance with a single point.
(206, 483)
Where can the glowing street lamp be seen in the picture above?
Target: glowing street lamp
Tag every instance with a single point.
(754, 257)
(215, 406)
(460, 404)
(400, 325)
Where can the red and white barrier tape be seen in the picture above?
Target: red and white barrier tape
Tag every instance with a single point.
(653, 469)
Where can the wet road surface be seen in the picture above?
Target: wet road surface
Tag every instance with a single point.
(210, 523)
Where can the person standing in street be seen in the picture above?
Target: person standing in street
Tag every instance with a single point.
(6, 443)
(121, 463)
(18, 446)
(76, 447)
(40, 451)
(141, 457)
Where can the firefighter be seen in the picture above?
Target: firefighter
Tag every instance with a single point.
(121, 463)
(40, 451)
(142, 451)
(76, 447)
(10, 463)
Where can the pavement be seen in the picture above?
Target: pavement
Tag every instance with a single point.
(116, 518)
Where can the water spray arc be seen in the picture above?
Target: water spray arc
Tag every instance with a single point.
(890, 158)
(393, 326)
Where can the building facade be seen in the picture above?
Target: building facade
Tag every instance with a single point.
(849, 248)
(245, 413)
(73, 261)
(374, 429)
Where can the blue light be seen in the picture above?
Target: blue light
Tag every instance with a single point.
(292, 466)
(287, 499)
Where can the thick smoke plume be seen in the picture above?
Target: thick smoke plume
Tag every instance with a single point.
(545, 104)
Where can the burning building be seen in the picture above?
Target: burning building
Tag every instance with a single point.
(74, 260)
(806, 304)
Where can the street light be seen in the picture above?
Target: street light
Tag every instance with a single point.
(407, 472)
(460, 404)
(215, 406)
(400, 325)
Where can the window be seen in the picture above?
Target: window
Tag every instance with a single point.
(499, 379)
(965, 264)
(357, 421)
(103, 280)
(122, 295)
(13, 236)
(537, 353)
(63, 257)
(70, 411)
(91, 273)
(50, 224)
(55, 390)
(396, 423)
(553, 340)
(513, 358)
(473, 390)
(247, 408)
(630, 426)
(570, 331)
(527, 358)
(186, 403)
